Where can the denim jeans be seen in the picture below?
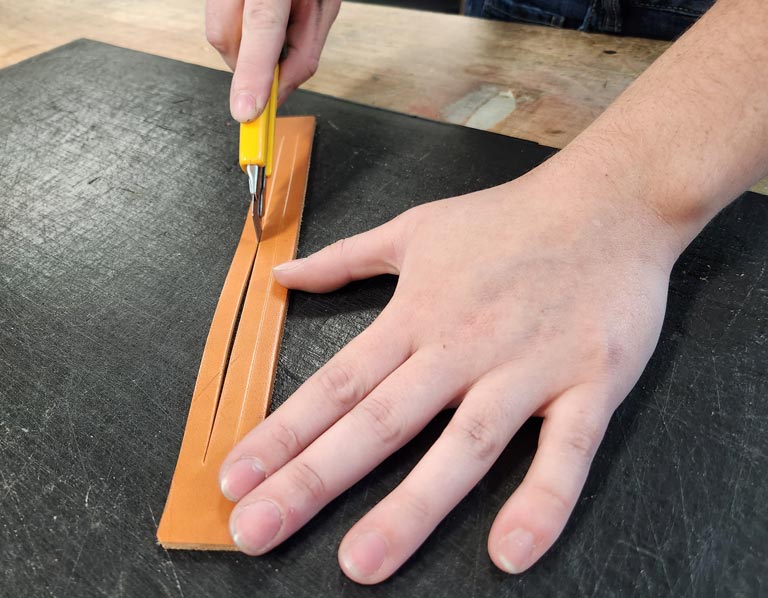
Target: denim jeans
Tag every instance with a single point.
(660, 19)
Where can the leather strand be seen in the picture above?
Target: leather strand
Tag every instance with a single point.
(237, 370)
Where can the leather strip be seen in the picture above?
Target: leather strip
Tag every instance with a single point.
(237, 370)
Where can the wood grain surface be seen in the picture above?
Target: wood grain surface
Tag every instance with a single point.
(535, 83)
(107, 291)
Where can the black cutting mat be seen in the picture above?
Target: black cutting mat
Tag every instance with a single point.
(120, 207)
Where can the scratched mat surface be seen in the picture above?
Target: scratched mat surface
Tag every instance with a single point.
(121, 204)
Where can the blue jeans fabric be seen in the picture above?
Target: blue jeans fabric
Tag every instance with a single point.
(659, 19)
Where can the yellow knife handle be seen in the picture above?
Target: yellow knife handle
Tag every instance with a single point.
(272, 119)
(257, 138)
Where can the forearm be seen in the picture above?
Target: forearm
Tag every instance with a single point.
(691, 133)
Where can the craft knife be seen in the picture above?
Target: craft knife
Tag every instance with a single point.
(257, 140)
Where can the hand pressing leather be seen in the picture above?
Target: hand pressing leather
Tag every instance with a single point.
(517, 301)
(250, 34)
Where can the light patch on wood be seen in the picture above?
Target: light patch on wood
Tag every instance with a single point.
(493, 111)
(482, 108)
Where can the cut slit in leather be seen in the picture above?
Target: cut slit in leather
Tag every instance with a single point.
(237, 370)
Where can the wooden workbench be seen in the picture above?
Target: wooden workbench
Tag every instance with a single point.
(444, 67)
(532, 82)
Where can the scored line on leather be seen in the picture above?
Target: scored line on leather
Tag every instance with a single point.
(228, 352)
(273, 259)
(243, 294)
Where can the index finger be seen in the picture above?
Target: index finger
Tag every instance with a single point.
(326, 396)
(264, 29)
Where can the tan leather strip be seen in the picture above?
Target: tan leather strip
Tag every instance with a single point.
(237, 371)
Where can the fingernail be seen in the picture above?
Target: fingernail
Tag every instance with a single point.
(256, 526)
(289, 265)
(515, 550)
(245, 107)
(365, 554)
(240, 478)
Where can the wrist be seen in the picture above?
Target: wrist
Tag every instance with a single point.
(610, 196)
(605, 165)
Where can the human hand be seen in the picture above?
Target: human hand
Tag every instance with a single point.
(250, 34)
(530, 298)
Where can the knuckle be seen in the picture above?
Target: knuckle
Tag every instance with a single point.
(261, 15)
(383, 419)
(477, 435)
(415, 505)
(344, 249)
(582, 440)
(394, 251)
(610, 354)
(311, 66)
(398, 232)
(304, 477)
(615, 355)
(217, 39)
(285, 439)
(415, 216)
(338, 385)
(607, 353)
(555, 497)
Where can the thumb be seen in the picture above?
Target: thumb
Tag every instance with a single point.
(362, 256)
(264, 28)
